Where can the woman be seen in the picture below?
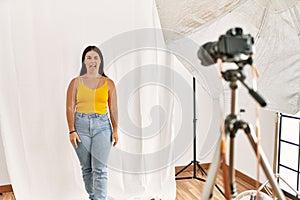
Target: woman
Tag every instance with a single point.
(90, 128)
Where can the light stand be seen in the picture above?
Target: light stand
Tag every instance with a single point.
(231, 125)
(194, 162)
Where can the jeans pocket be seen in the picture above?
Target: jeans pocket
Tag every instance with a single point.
(103, 123)
(81, 125)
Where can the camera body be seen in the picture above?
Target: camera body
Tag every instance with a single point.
(229, 48)
(234, 42)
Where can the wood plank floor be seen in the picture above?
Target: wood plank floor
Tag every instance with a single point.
(7, 196)
(188, 189)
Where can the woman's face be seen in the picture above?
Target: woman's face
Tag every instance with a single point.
(92, 61)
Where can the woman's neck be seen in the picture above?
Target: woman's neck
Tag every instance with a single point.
(92, 75)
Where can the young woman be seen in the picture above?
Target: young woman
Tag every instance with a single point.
(92, 132)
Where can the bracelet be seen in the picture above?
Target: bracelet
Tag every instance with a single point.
(71, 132)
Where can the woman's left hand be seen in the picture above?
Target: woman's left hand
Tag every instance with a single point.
(114, 138)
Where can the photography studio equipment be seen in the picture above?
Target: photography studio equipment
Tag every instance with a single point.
(194, 162)
(234, 47)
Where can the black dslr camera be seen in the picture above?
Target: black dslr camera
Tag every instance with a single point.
(234, 46)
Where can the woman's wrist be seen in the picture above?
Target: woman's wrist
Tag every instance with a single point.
(72, 132)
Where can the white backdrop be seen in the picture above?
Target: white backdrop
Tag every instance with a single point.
(41, 46)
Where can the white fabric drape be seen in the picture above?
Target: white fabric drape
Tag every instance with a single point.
(274, 24)
(41, 46)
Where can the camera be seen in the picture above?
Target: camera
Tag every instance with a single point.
(234, 46)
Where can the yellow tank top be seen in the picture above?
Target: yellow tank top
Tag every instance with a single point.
(91, 100)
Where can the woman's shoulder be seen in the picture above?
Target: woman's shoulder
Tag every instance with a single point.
(74, 80)
(110, 83)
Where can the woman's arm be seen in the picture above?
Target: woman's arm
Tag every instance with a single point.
(113, 110)
(70, 108)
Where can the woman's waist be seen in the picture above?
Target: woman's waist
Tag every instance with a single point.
(91, 115)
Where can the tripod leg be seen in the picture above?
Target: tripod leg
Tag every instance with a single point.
(201, 169)
(231, 168)
(212, 174)
(204, 173)
(266, 166)
(183, 169)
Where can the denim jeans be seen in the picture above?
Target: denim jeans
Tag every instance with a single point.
(94, 131)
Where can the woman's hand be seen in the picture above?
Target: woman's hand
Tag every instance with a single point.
(114, 138)
(74, 138)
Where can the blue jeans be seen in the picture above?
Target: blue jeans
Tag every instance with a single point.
(94, 131)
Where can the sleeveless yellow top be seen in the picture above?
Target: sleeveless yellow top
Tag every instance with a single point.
(91, 100)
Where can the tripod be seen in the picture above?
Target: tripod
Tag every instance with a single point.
(194, 162)
(231, 125)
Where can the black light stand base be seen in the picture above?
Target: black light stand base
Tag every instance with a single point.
(194, 162)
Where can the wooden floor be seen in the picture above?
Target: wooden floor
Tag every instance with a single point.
(189, 189)
(7, 196)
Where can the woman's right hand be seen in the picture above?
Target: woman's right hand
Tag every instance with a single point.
(74, 138)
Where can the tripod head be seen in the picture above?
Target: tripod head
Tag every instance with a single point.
(233, 75)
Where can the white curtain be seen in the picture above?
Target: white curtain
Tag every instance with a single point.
(41, 46)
